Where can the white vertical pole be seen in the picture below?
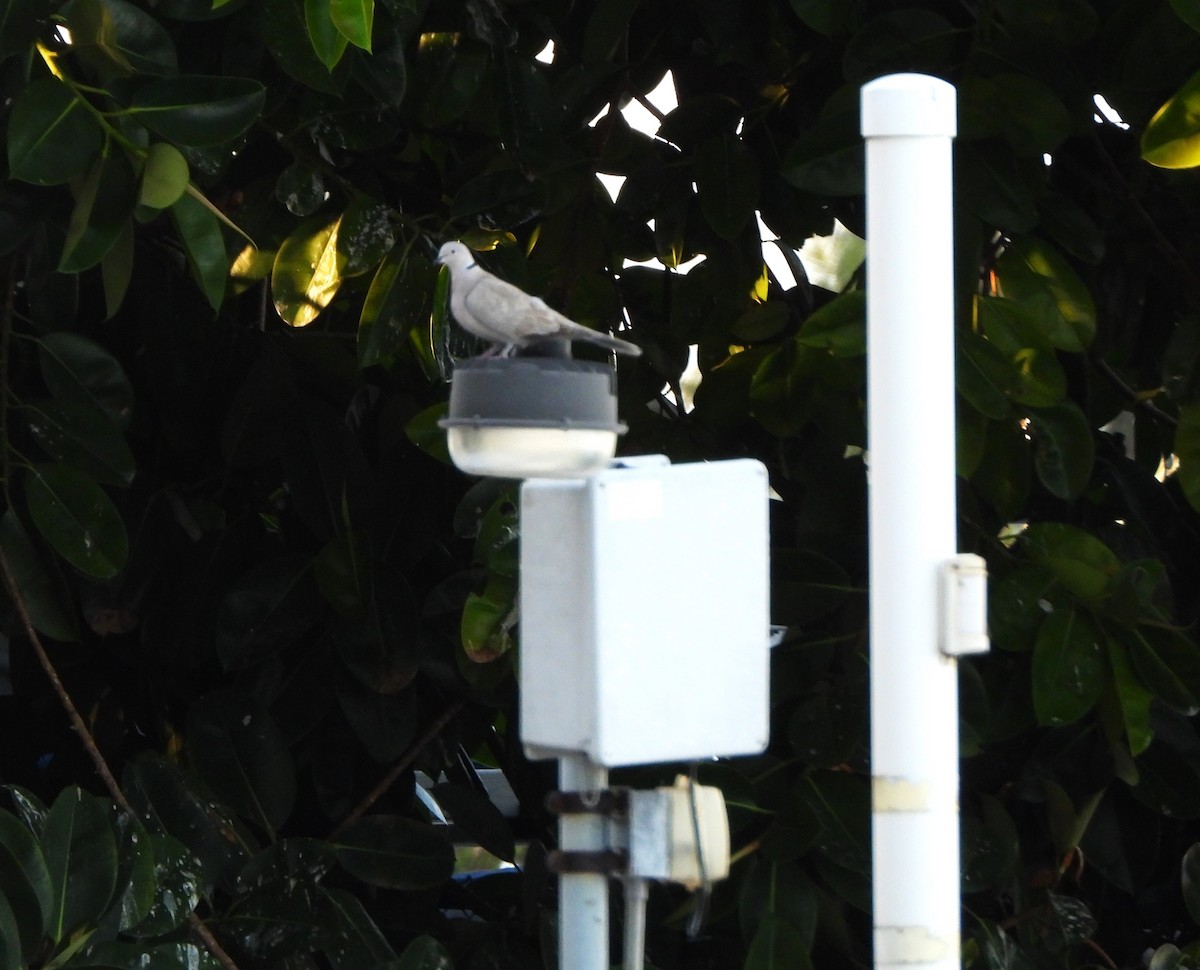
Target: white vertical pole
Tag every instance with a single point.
(908, 121)
(582, 897)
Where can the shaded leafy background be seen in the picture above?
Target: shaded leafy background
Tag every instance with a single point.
(229, 519)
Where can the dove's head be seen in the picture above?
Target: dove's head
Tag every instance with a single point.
(456, 256)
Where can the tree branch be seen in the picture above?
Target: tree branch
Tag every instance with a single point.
(79, 726)
(1136, 400)
(398, 768)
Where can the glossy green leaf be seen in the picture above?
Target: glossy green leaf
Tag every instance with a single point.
(81, 857)
(78, 370)
(1077, 559)
(395, 853)
(1189, 13)
(824, 16)
(328, 42)
(358, 942)
(982, 375)
(1027, 112)
(158, 956)
(354, 19)
(1168, 662)
(424, 953)
(10, 938)
(842, 804)
(301, 188)
(1190, 881)
(1168, 781)
(777, 945)
(264, 610)
(292, 47)
(103, 208)
(386, 724)
(1133, 698)
(1166, 957)
(761, 321)
(381, 648)
(1065, 23)
(120, 39)
(116, 270)
(1017, 604)
(1063, 448)
(423, 431)
(47, 604)
(165, 176)
(307, 272)
(488, 619)
(200, 230)
(778, 890)
(476, 817)
(728, 183)
(367, 234)
(1037, 378)
(136, 875)
(839, 327)
(83, 437)
(172, 802)
(1005, 471)
(78, 519)
(452, 70)
(996, 188)
(607, 24)
(342, 572)
(505, 199)
(1042, 282)
(784, 388)
(52, 137)
(239, 751)
(906, 39)
(990, 846)
(1070, 921)
(1069, 667)
(399, 303)
(1187, 447)
(196, 110)
(1172, 137)
(26, 886)
(21, 24)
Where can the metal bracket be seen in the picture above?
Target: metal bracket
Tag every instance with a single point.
(608, 802)
(964, 629)
(601, 862)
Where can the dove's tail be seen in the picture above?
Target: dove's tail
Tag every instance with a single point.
(615, 344)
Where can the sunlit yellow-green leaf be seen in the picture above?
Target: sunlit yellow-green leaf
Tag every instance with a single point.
(307, 273)
(164, 176)
(354, 19)
(1172, 137)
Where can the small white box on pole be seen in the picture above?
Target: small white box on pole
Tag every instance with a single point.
(645, 612)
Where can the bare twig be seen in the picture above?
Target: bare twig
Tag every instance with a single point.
(398, 768)
(1135, 398)
(79, 726)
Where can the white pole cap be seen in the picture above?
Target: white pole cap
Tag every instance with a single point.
(900, 105)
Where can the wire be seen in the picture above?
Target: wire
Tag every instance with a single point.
(634, 950)
(704, 893)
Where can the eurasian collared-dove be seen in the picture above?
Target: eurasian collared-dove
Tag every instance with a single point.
(505, 314)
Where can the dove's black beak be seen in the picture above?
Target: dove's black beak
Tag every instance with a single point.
(430, 247)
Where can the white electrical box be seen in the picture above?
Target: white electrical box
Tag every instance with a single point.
(645, 612)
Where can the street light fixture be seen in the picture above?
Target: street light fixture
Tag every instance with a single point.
(527, 417)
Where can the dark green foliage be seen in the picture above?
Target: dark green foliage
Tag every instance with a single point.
(229, 515)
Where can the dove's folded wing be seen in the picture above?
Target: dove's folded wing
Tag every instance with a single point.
(509, 312)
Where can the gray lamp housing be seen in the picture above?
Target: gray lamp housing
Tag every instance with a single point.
(532, 417)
